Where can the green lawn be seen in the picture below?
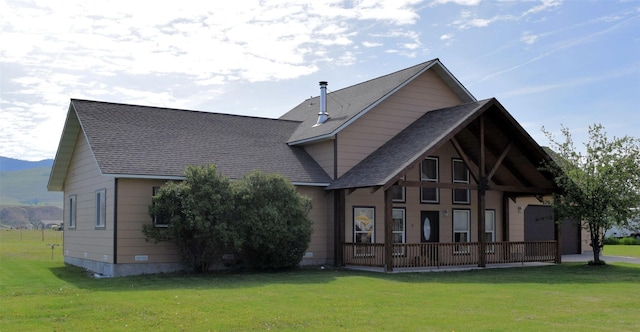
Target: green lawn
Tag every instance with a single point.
(41, 294)
(621, 250)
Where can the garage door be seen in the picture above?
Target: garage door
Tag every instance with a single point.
(538, 226)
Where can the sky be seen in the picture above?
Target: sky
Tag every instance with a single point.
(551, 63)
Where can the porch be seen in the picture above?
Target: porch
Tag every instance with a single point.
(437, 255)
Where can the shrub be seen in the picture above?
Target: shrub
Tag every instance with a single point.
(274, 221)
(622, 241)
(199, 211)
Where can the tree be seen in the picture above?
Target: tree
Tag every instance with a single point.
(199, 211)
(274, 221)
(600, 187)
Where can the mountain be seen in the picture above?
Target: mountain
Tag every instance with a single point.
(10, 164)
(24, 197)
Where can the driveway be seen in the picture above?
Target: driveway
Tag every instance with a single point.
(609, 259)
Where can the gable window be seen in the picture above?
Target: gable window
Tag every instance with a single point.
(399, 225)
(460, 175)
(159, 220)
(429, 173)
(461, 225)
(398, 193)
(101, 208)
(71, 221)
(490, 228)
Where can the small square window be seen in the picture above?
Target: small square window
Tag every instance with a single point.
(429, 173)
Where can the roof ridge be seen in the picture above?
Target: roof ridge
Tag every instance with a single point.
(180, 110)
(424, 64)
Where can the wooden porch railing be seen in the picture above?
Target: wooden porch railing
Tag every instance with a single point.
(448, 254)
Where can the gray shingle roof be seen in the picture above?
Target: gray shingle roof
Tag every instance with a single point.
(405, 148)
(161, 142)
(346, 104)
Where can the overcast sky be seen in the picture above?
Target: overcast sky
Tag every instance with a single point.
(550, 62)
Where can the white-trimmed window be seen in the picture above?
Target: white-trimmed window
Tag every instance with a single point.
(159, 220)
(364, 221)
(71, 217)
(461, 229)
(399, 227)
(460, 175)
(101, 208)
(398, 193)
(490, 228)
(429, 173)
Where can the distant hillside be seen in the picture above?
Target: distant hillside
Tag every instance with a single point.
(28, 187)
(29, 216)
(10, 164)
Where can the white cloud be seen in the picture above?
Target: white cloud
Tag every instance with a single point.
(117, 50)
(446, 36)
(529, 38)
(457, 2)
(371, 44)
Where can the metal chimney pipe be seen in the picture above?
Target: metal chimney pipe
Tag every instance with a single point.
(322, 115)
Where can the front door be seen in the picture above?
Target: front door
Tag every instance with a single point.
(430, 233)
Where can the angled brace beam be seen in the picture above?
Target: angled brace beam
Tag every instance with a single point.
(500, 159)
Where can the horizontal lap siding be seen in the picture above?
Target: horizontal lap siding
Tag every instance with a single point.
(134, 199)
(322, 153)
(425, 93)
(83, 179)
(321, 214)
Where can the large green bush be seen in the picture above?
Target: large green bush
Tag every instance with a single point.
(200, 215)
(273, 217)
(260, 218)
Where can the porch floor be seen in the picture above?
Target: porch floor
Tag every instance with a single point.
(447, 268)
(565, 258)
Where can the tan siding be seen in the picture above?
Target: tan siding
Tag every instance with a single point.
(321, 247)
(83, 179)
(322, 153)
(413, 207)
(427, 92)
(134, 198)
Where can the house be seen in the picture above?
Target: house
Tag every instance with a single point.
(407, 170)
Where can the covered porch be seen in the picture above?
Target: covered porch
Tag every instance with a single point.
(441, 255)
(472, 161)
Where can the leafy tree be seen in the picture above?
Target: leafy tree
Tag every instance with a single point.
(600, 187)
(199, 210)
(274, 220)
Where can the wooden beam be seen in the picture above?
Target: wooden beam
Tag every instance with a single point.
(482, 191)
(499, 161)
(388, 230)
(465, 158)
(428, 184)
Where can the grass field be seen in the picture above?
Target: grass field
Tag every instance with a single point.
(38, 293)
(620, 250)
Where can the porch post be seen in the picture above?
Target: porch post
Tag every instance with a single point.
(482, 189)
(388, 231)
(557, 233)
(339, 223)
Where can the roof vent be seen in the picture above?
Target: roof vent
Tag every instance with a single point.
(322, 115)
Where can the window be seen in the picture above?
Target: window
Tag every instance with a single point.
(364, 221)
(429, 173)
(71, 221)
(159, 220)
(363, 224)
(101, 208)
(460, 175)
(461, 225)
(489, 228)
(398, 193)
(399, 235)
